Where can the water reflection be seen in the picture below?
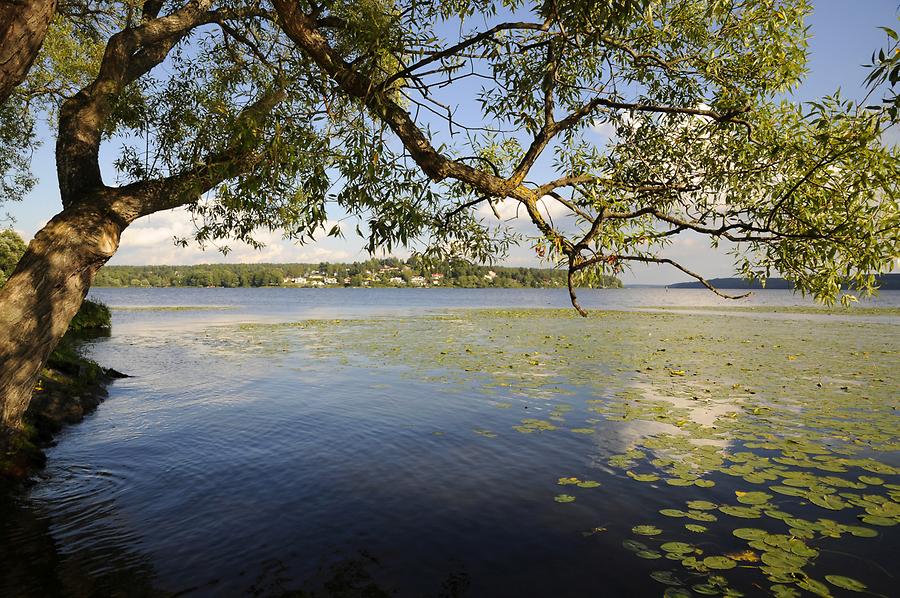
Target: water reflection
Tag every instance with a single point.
(697, 410)
(355, 577)
(38, 563)
(336, 461)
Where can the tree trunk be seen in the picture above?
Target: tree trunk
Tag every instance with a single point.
(23, 26)
(44, 293)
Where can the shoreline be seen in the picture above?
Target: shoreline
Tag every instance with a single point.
(69, 388)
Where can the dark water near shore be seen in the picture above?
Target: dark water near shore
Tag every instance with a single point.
(246, 458)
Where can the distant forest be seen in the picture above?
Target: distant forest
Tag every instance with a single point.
(386, 272)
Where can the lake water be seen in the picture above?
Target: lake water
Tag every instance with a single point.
(450, 442)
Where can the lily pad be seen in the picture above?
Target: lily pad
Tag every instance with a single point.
(828, 501)
(646, 530)
(788, 490)
(778, 575)
(749, 533)
(816, 587)
(753, 498)
(706, 589)
(719, 562)
(672, 513)
(871, 481)
(799, 548)
(696, 528)
(667, 577)
(642, 477)
(679, 482)
(634, 545)
(784, 591)
(862, 532)
(846, 583)
(742, 512)
(677, 547)
(783, 560)
(701, 516)
(878, 520)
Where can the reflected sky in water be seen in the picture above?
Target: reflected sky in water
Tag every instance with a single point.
(246, 461)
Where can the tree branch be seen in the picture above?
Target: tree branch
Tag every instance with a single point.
(186, 187)
(455, 49)
(614, 258)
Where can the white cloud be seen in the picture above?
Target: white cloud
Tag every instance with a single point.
(511, 209)
(150, 240)
(604, 129)
(157, 229)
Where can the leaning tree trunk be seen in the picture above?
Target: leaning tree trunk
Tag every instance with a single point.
(23, 26)
(42, 296)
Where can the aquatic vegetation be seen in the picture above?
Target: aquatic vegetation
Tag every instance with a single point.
(774, 440)
(854, 310)
(847, 583)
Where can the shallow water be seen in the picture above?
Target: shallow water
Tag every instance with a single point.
(414, 448)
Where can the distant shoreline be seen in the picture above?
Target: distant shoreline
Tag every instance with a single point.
(886, 282)
(374, 273)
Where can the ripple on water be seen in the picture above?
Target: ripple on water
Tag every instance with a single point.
(235, 449)
(82, 508)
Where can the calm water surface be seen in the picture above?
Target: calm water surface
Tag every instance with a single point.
(241, 459)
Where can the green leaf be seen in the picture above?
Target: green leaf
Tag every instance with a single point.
(719, 562)
(646, 530)
(846, 583)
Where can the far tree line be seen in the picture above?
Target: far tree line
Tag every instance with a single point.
(385, 272)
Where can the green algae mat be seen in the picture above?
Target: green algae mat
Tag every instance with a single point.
(765, 453)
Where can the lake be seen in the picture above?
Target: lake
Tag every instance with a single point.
(483, 442)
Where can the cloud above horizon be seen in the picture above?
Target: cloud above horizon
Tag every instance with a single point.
(151, 240)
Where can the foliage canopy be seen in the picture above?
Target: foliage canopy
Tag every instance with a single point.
(11, 249)
(428, 124)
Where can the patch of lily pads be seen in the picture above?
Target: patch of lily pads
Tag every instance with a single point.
(782, 434)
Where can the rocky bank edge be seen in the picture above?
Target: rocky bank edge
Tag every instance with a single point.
(69, 388)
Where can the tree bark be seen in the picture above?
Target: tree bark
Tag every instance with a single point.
(44, 293)
(23, 26)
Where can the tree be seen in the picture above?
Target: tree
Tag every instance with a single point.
(884, 75)
(12, 247)
(700, 145)
(264, 114)
(23, 26)
(52, 278)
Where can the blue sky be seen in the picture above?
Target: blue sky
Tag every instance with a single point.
(844, 34)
